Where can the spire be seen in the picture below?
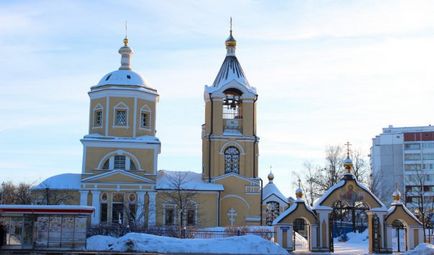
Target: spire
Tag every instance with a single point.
(125, 52)
(348, 163)
(230, 43)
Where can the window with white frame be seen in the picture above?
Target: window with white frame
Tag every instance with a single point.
(119, 162)
(145, 117)
(97, 116)
(121, 115)
(169, 215)
(232, 160)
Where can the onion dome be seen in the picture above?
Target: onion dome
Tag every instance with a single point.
(270, 177)
(348, 164)
(123, 76)
(299, 193)
(396, 195)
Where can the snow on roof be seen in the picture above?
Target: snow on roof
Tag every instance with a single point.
(271, 189)
(66, 181)
(291, 209)
(321, 199)
(122, 77)
(397, 204)
(186, 180)
(138, 139)
(229, 71)
(341, 183)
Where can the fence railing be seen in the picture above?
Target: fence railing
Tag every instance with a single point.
(120, 230)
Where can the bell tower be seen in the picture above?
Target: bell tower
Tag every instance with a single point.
(229, 141)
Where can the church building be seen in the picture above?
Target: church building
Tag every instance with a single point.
(120, 176)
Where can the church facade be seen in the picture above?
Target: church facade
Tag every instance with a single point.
(120, 175)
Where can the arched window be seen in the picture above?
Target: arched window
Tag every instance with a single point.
(119, 160)
(232, 104)
(232, 160)
(120, 115)
(272, 212)
(97, 116)
(145, 117)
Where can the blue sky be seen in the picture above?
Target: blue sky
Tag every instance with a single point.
(326, 72)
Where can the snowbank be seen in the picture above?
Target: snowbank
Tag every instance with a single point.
(422, 249)
(300, 242)
(248, 244)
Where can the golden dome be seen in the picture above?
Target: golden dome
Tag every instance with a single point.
(230, 42)
(126, 41)
(299, 193)
(348, 164)
(270, 176)
(396, 195)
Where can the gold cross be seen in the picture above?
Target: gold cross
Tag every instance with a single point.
(348, 144)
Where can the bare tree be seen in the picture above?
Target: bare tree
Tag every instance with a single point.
(49, 196)
(15, 194)
(179, 196)
(417, 197)
(360, 166)
(309, 182)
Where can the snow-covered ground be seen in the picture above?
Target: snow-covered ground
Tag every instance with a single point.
(358, 243)
(248, 244)
(422, 249)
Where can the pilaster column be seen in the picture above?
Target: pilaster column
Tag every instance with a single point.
(83, 197)
(140, 206)
(313, 237)
(152, 209)
(97, 205)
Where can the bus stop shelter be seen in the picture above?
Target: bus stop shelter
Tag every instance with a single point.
(44, 226)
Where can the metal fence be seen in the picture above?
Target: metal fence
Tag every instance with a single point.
(120, 230)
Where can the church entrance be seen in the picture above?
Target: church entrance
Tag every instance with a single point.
(399, 236)
(301, 234)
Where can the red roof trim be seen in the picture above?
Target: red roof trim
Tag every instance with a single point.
(46, 211)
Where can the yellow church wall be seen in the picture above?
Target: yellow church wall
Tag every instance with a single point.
(248, 122)
(139, 130)
(121, 131)
(96, 154)
(218, 120)
(300, 212)
(206, 210)
(400, 214)
(337, 194)
(235, 196)
(93, 104)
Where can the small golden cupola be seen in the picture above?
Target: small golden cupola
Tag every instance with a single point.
(348, 163)
(270, 177)
(396, 195)
(299, 191)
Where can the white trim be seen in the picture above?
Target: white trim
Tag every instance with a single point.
(83, 163)
(123, 107)
(234, 144)
(122, 172)
(116, 144)
(145, 108)
(236, 196)
(135, 117)
(124, 92)
(98, 107)
(107, 101)
(116, 153)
